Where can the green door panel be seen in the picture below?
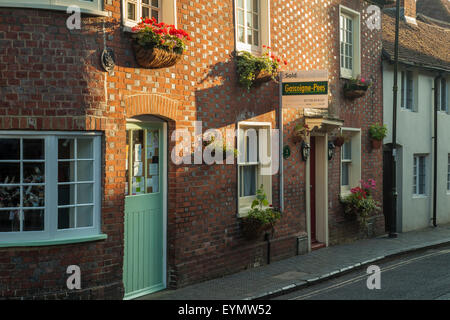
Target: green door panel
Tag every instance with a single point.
(144, 224)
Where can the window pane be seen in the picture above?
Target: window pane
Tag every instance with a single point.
(255, 21)
(84, 216)
(145, 1)
(241, 17)
(66, 171)
(347, 151)
(33, 172)
(84, 148)
(33, 220)
(9, 197)
(66, 218)
(241, 34)
(10, 149)
(249, 5)
(255, 6)
(66, 194)
(85, 170)
(66, 148)
(248, 174)
(33, 196)
(145, 12)
(249, 20)
(33, 149)
(9, 173)
(155, 15)
(155, 3)
(131, 8)
(84, 193)
(9, 221)
(345, 174)
(240, 3)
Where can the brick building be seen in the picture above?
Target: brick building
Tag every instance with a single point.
(160, 224)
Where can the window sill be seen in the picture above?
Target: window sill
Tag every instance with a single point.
(419, 196)
(43, 243)
(92, 12)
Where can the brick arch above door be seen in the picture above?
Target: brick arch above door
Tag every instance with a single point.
(151, 104)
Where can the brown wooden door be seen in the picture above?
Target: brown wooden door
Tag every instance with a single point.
(312, 175)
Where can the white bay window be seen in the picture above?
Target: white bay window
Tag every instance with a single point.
(49, 186)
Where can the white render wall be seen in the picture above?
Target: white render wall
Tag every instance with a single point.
(415, 135)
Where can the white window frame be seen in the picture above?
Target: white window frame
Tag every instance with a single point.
(244, 203)
(442, 82)
(94, 7)
(404, 76)
(51, 231)
(416, 183)
(355, 16)
(167, 12)
(264, 28)
(354, 134)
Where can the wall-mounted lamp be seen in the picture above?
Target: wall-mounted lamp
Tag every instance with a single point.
(305, 148)
(331, 148)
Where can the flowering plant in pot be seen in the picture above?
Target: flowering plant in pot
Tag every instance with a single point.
(158, 45)
(339, 140)
(360, 204)
(262, 217)
(301, 131)
(356, 87)
(252, 69)
(214, 145)
(377, 133)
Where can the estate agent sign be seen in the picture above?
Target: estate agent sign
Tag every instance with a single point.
(304, 89)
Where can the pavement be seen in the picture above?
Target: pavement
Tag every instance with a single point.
(285, 276)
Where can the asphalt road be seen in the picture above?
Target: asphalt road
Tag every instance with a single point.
(419, 276)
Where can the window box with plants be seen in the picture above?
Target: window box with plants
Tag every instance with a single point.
(377, 133)
(261, 218)
(356, 87)
(158, 45)
(254, 70)
(360, 205)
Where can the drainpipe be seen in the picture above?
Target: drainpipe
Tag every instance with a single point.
(393, 226)
(435, 152)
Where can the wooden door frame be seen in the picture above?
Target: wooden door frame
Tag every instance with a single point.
(164, 189)
(321, 179)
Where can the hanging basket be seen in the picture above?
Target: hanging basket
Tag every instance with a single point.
(353, 94)
(155, 58)
(253, 228)
(339, 141)
(262, 76)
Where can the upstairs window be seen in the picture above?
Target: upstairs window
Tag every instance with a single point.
(349, 37)
(252, 25)
(407, 98)
(442, 102)
(161, 10)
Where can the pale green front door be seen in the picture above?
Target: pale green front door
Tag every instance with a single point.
(144, 217)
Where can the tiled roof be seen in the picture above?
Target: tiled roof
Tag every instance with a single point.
(423, 45)
(436, 9)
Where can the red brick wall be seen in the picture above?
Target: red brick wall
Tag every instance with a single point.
(52, 76)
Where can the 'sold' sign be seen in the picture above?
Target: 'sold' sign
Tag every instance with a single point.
(304, 89)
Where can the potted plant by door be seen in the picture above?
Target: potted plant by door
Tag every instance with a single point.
(253, 70)
(359, 204)
(158, 45)
(262, 217)
(377, 133)
(356, 87)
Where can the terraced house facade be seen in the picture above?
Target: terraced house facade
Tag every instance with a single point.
(87, 141)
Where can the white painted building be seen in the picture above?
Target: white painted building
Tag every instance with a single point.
(424, 70)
